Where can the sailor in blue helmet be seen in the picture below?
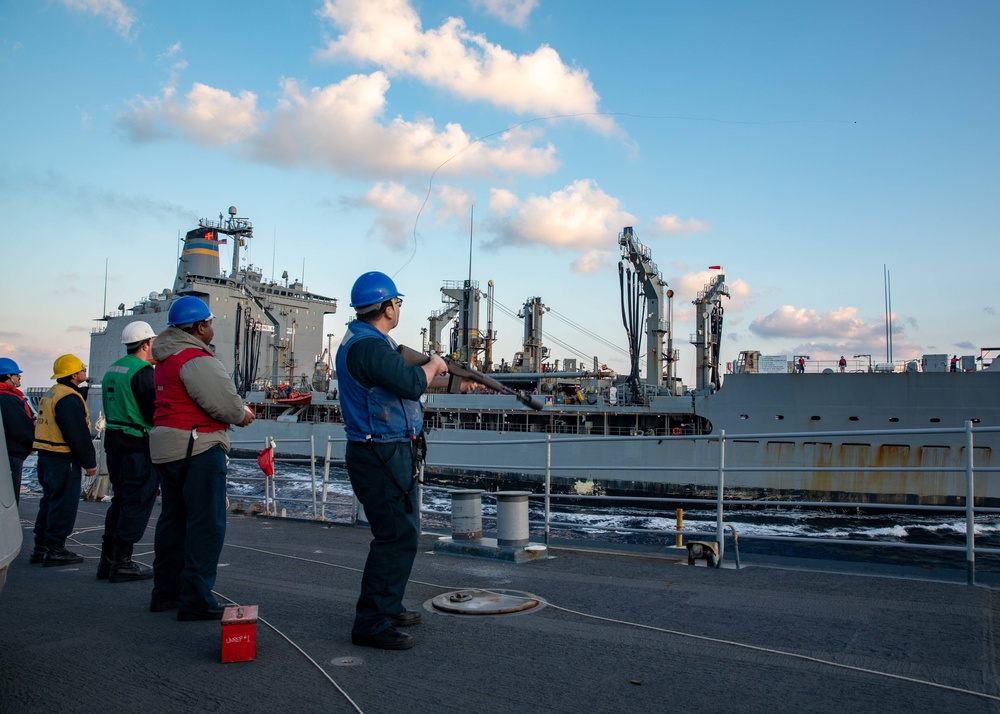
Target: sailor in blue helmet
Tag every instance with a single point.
(379, 396)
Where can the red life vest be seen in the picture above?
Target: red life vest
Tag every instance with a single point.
(174, 408)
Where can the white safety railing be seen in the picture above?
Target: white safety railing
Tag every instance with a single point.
(968, 468)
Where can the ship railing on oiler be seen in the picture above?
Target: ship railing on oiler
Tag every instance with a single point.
(321, 501)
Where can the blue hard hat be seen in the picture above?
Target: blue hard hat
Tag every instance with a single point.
(373, 288)
(9, 366)
(188, 309)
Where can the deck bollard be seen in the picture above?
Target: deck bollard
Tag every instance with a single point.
(512, 518)
(467, 514)
(679, 542)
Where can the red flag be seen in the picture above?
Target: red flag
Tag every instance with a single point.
(715, 267)
(265, 459)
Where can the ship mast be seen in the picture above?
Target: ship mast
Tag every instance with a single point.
(242, 230)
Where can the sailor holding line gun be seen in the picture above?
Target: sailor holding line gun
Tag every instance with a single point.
(380, 397)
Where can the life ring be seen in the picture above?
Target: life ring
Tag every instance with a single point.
(676, 431)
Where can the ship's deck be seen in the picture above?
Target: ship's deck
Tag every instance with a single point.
(621, 634)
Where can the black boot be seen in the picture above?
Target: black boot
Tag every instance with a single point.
(58, 555)
(38, 554)
(124, 569)
(104, 564)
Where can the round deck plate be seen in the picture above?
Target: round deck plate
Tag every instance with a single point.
(485, 602)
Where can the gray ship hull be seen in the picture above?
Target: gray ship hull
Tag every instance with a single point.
(895, 438)
(876, 437)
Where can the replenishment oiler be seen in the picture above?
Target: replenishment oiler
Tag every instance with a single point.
(893, 433)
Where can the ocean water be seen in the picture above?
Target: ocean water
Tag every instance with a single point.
(614, 526)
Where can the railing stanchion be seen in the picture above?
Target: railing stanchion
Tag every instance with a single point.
(548, 483)
(970, 508)
(267, 483)
(312, 471)
(326, 475)
(719, 535)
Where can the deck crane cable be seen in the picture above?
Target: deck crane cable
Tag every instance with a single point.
(590, 333)
(581, 354)
(569, 348)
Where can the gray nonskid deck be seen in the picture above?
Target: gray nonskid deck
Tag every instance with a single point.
(72, 643)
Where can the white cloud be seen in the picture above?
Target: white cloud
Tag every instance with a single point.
(389, 34)
(579, 217)
(674, 224)
(842, 323)
(594, 260)
(452, 202)
(688, 286)
(394, 206)
(391, 197)
(510, 12)
(206, 115)
(340, 127)
(120, 15)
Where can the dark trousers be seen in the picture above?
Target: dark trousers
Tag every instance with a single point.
(190, 530)
(380, 476)
(60, 480)
(16, 467)
(134, 484)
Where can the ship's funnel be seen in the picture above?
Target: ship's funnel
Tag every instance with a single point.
(200, 256)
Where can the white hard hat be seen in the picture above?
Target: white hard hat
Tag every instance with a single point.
(137, 332)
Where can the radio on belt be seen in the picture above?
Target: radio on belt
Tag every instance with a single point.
(239, 633)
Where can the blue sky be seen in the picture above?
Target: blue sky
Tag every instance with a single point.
(801, 145)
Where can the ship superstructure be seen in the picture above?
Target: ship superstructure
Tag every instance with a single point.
(267, 333)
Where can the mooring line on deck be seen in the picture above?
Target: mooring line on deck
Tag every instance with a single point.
(281, 634)
(653, 628)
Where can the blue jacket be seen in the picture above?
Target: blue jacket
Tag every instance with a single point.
(379, 392)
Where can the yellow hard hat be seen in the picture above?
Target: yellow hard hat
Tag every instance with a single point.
(66, 365)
